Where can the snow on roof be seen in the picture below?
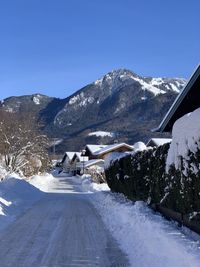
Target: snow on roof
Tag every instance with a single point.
(165, 125)
(159, 141)
(109, 148)
(94, 148)
(93, 162)
(80, 158)
(70, 154)
(90, 163)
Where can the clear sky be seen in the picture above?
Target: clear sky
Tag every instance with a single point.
(55, 47)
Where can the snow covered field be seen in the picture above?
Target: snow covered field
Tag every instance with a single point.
(102, 134)
(146, 237)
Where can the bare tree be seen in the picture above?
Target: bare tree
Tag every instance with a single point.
(22, 147)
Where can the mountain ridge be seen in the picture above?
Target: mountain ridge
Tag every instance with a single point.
(110, 103)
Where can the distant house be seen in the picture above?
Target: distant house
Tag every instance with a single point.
(91, 149)
(156, 142)
(91, 164)
(78, 162)
(105, 151)
(66, 161)
(94, 162)
(187, 101)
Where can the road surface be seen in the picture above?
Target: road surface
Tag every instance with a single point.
(61, 229)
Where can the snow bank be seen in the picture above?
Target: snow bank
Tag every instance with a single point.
(16, 195)
(147, 238)
(89, 186)
(185, 139)
(43, 182)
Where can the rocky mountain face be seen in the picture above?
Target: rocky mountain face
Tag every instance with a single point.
(121, 102)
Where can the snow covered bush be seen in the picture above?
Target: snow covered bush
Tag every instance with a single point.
(97, 174)
(143, 176)
(139, 176)
(185, 142)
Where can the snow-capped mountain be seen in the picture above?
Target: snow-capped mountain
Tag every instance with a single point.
(116, 91)
(121, 102)
(122, 77)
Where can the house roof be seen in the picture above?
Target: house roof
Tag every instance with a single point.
(94, 148)
(70, 155)
(159, 141)
(110, 148)
(90, 163)
(187, 101)
(93, 162)
(80, 158)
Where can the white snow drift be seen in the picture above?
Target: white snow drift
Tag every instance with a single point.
(17, 195)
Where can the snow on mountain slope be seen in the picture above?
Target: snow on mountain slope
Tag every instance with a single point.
(115, 78)
(27, 102)
(101, 134)
(121, 102)
(119, 86)
(167, 84)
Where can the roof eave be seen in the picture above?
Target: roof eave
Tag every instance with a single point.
(178, 100)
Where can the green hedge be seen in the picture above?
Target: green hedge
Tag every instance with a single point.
(142, 176)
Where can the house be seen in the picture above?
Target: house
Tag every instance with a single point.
(66, 161)
(105, 151)
(156, 142)
(77, 163)
(93, 164)
(91, 149)
(187, 101)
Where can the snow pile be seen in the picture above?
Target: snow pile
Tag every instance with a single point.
(89, 186)
(101, 134)
(185, 140)
(139, 146)
(146, 238)
(43, 182)
(16, 195)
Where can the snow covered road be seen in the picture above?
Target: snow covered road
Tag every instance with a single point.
(61, 229)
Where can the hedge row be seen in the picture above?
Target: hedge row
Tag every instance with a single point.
(143, 177)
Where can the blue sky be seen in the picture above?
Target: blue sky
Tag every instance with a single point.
(55, 47)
